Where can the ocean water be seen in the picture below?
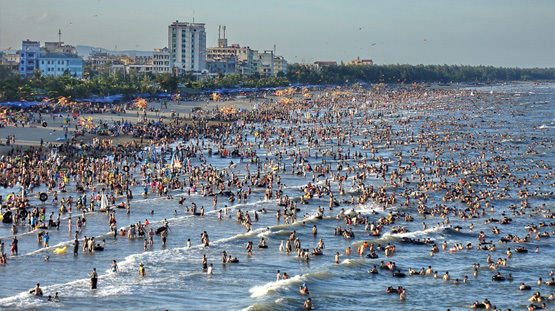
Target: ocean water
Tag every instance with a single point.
(508, 126)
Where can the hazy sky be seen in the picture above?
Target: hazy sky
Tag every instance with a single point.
(481, 32)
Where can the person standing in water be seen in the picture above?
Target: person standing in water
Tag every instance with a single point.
(94, 278)
(76, 247)
(142, 271)
(204, 263)
(114, 268)
(37, 291)
(151, 237)
(46, 239)
(308, 304)
(164, 236)
(14, 246)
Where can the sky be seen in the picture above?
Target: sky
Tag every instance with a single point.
(507, 33)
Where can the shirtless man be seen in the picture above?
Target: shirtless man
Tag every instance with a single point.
(308, 304)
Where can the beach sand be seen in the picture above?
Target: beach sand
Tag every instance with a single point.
(31, 135)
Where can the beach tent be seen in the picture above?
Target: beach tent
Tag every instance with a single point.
(163, 95)
(20, 104)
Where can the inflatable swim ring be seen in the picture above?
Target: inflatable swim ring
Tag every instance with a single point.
(60, 250)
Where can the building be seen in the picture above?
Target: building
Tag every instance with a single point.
(10, 58)
(243, 56)
(187, 47)
(119, 67)
(222, 42)
(142, 59)
(56, 64)
(9, 62)
(223, 66)
(359, 62)
(28, 57)
(60, 64)
(100, 61)
(280, 65)
(247, 61)
(59, 47)
(264, 63)
(219, 58)
(161, 61)
(321, 64)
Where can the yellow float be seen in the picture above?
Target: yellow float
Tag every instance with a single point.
(60, 250)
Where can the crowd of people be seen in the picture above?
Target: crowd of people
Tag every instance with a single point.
(303, 138)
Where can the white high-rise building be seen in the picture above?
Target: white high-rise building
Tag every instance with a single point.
(187, 44)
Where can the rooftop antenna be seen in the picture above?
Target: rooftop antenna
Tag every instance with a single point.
(59, 37)
(219, 31)
(193, 16)
(224, 32)
(274, 49)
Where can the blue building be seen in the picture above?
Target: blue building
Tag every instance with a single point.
(59, 64)
(28, 57)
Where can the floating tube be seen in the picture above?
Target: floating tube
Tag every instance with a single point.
(60, 250)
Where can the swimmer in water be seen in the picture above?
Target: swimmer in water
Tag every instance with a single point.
(303, 289)
(94, 278)
(114, 268)
(37, 291)
(308, 304)
(403, 295)
(142, 271)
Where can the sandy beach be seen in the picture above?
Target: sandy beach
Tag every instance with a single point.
(31, 135)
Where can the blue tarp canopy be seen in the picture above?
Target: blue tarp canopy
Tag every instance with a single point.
(21, 104)
(164, 95)
(104, 99)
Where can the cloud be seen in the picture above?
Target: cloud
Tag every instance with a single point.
(42, 19)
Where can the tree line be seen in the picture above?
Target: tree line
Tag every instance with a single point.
(341, 74)
(14, 87)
